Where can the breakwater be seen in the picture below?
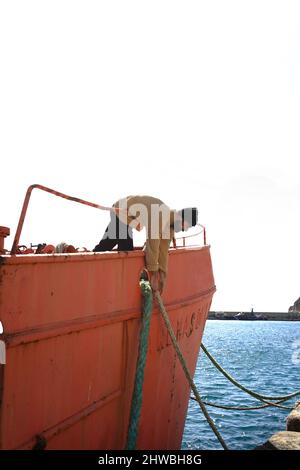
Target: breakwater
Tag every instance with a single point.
(239, 315)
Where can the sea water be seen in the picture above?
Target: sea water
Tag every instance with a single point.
(262, 355)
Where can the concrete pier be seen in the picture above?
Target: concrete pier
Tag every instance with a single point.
(286, 440)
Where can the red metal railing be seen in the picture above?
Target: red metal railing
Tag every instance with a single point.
(56, 193)
(202, 231)
(70, 198)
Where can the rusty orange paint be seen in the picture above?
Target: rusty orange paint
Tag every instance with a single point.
(71, 330)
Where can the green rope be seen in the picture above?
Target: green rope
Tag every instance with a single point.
(238, 408)
(185, 369)
(137, 398)
(256, 395)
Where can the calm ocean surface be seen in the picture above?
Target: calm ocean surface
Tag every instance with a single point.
(264, 357)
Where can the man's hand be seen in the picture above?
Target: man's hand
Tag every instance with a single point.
(154, 280)
(158, 280)
(162, 281)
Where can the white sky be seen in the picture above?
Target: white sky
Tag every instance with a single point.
(194, 102)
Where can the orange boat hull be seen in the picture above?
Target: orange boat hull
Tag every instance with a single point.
(71, 330)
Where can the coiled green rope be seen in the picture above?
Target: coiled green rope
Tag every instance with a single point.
(137, 398)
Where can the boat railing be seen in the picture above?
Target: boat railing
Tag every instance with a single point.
(201, 232)
(55, 193)
(15, 245)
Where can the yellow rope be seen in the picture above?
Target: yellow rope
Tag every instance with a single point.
(185, 369)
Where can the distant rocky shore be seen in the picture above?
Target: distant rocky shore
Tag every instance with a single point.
(295, 307)
(231, 315)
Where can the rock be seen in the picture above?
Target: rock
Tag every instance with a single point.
(293, 419)
(283, 440)
(295, 307)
